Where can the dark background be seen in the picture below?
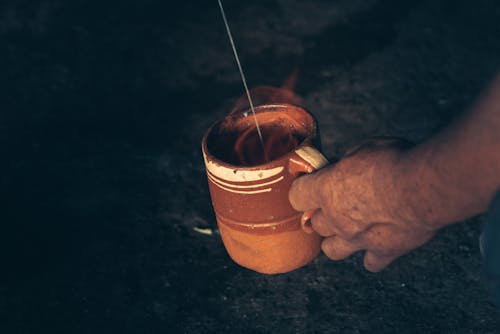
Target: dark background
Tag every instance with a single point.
(102, 109)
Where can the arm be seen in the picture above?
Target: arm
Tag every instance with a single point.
(455, 174)
(388, 200)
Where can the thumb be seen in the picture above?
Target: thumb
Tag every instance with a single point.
(304, 193)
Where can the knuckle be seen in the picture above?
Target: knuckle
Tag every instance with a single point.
(349, 229)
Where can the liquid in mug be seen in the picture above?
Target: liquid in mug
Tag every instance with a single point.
(243, 148)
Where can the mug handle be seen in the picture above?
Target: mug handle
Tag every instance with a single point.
(306, 159)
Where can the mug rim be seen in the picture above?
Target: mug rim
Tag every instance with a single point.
(306, 142)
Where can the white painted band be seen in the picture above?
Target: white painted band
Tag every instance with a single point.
(240, 175)
(246, 192)
(211, 177)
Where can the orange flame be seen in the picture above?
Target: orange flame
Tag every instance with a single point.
(270, 95)
(278, 140)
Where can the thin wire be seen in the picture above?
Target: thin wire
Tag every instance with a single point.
(241, 73)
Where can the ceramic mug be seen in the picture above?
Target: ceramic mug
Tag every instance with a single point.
(259, 228)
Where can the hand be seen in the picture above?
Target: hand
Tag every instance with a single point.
(360, 206)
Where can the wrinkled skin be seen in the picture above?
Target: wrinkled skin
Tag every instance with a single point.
(358, 207)
(387, 199)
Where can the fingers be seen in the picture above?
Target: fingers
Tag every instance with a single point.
(341, 226)
(322, 225)
(304, 193)
(337, 248)
(376, 263)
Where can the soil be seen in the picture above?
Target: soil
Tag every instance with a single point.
(107, 224)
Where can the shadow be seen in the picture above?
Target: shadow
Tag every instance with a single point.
(363, 34)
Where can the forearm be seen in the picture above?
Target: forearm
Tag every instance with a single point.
(455, 174)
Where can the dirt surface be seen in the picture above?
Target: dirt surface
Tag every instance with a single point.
(103, 105)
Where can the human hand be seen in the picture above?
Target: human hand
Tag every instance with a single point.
(360, 206)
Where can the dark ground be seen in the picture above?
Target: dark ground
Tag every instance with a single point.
(102, 108)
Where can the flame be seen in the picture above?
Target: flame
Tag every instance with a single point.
(278, 139)
(270, 95)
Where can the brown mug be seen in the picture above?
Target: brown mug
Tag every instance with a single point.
(260, 229)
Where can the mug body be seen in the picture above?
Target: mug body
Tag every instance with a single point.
(260, 229)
